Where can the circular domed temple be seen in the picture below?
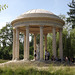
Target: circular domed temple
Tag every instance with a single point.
(37, 21)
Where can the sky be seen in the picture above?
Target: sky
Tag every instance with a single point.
(17, 7)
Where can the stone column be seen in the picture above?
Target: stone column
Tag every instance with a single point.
(45, 41)
(34, 42)
(17, 43)
(25, 53)
(27, 41)
(60, 44)
(54, 42)
(41, 43)
(14, 45)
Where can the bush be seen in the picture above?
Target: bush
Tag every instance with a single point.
(21, 56)
(22, 71)
(31, 57)
(33, 71)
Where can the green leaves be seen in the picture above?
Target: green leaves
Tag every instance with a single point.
(2, 7)
(71, 14)
(6, 36)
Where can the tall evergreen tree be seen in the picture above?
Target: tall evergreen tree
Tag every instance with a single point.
(71, 13)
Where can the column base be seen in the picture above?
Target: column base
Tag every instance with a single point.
(41, 59)
(13, 58)
(16, 59)
(25, 59)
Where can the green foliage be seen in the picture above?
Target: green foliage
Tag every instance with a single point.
(6, 35)
(67, 25)
(71, 13)
(72, 35)
(65, 36)
(69, 43)
(67, 39)
(57, 44)
(31, 57)
(57, 70)
(3, 61)
(2, 7)
(31, 50)
(21, 49)
(22, 71)
(49, 43)
(38, 38)
(6, 43)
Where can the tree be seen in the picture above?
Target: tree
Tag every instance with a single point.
(72, 35)
(2, 7)
(6, 42)
(66, 43)
(71, 13)
(6, 35)
(49, 43)
(67, 25)
(68, 38)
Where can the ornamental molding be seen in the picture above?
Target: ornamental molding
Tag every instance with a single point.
(27, 23)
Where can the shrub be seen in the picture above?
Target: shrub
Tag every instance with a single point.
(31, 57)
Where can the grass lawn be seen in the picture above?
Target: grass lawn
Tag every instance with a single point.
(36, 68)
(3, 61)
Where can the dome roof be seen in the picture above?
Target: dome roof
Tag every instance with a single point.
(36, 13)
